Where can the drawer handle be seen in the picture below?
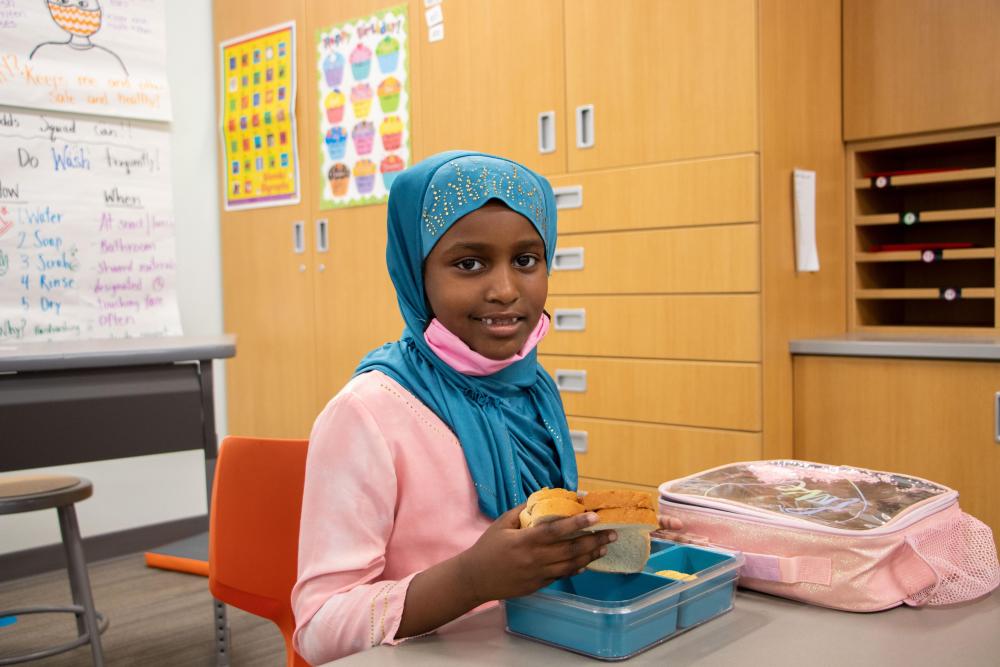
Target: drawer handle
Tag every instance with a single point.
(570, 196)
(569, 319)
(579, 440)
(567, 259)
(322, 238)
(547, 132)
(585, 126)
(571, 380)
(298, 237)
(996, 417)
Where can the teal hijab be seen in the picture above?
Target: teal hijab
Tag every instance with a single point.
(511, 424)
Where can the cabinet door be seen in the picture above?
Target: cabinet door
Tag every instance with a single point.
(267, 286)
(919, 65)
(356, 308)
(355, 302)
(484, 85)
(668, 79)
(929, 418)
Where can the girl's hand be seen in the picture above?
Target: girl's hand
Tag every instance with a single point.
(510, 561)
(671, 523)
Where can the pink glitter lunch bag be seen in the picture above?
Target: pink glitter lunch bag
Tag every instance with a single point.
(837, 536)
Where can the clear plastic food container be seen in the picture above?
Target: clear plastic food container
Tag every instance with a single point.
(615, 616)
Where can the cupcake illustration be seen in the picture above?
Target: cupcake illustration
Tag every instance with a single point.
(336, 142)
(334, 105)
(361, 62)
(390, 168)
(364, 176)
(340, 177)
(333, 69)
(388, 94)
(391, 131)
(387, 52)
(361, 99)
(363, 135)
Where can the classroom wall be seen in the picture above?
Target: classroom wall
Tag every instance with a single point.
(129, 493)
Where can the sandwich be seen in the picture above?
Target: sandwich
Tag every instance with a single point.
(631, 514)
(549, 504)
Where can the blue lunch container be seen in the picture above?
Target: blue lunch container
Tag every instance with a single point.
(615, 616)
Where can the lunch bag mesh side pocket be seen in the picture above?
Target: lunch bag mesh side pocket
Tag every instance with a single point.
(963, 555)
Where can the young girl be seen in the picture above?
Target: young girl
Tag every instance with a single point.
(418, 468)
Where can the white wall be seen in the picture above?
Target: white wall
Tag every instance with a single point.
(134, 492)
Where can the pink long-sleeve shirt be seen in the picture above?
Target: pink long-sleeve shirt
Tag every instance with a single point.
(387, 495)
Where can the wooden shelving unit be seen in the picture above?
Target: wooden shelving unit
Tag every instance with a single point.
(923, 233)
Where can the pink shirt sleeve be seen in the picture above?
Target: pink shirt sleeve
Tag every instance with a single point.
(340, 602)
(379, 461)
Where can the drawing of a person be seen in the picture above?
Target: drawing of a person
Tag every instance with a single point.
(81, 19)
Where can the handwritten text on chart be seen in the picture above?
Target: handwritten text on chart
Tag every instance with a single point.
(86, 229)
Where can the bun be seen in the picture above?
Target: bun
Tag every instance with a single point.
(632, 515)
(608, 498)
(548, 505)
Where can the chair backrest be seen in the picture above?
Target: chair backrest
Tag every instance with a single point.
(253, 540)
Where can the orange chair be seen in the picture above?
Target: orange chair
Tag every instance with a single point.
(253, 537)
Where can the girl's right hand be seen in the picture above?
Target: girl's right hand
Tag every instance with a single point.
(509, 561)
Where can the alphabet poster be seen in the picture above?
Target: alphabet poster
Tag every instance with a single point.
(258, 119)
(87, 244)
(103, 57)
(364, 101)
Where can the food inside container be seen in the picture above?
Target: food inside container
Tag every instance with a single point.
(615, 616)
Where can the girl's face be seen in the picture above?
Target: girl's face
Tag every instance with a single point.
(486, 280)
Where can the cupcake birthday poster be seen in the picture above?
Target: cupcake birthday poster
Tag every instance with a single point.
(364, 108)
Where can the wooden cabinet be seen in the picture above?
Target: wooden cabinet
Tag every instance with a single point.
(915, 66)
(663, 80)
(930, 418)
(267, 285)
(681, 208)
(486, 83)
(675, 293)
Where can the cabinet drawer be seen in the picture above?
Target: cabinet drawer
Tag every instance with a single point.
(712, 394)
(649, 454)
(679, 194)
(706, 259)
(717, 327)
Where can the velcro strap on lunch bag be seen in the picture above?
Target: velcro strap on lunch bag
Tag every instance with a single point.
(788, 570)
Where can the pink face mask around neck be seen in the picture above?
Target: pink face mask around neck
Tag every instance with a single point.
(454, 352)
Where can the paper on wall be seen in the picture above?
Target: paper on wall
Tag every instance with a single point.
(87, 245)
(804, 192)
(103, 57)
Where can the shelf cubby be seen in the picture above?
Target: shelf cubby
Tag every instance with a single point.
(924, 229)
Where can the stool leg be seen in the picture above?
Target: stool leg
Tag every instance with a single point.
(79, 580)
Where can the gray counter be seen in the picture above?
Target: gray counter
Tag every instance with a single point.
(45, 356)
(760, 630)
(984, 348)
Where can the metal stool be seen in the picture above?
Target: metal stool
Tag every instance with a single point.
(26, 494)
